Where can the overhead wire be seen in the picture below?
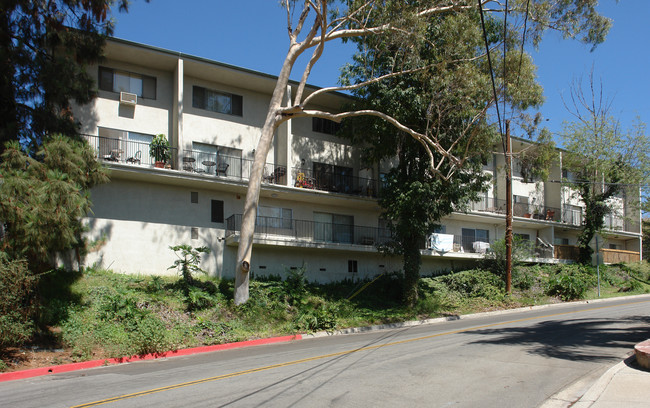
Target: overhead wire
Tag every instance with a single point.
(494, 89)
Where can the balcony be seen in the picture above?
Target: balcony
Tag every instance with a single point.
(311, 231)
(335, 183)
(122, 150)
(525, 210)
(448, 243)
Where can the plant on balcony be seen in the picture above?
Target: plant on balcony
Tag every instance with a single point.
(159, 150)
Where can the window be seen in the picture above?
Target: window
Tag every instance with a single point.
(126, 144)
(333, 228)
(352, 266)
(228, 160)
(326, 126)
(216, 101)
(561, 241)
(194, 197)
(469, 236)
(329, 177)
(440, 229)
(274, 217)
(122, 81)
(195, 233)
(217, 211)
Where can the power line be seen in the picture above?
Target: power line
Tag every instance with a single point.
(494, 89)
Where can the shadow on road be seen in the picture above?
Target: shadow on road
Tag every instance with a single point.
(574, 339)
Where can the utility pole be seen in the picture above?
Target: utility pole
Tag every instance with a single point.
(508, 158)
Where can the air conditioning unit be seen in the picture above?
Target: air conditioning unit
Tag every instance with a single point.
(127, 98)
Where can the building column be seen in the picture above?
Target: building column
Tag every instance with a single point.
(177, 115)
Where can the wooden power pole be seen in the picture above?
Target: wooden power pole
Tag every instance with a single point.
(508, 158)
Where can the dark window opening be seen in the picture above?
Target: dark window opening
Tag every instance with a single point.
(352, 266)
(194, 197)
(216, 101)
(217, 211)
(326, 126)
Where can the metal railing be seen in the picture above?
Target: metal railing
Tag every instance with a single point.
(525, 210)
(120, 150)
(312, 231)
(337, 183)
(460, 243)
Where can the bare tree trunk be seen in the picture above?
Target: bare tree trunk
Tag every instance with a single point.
(273, 120)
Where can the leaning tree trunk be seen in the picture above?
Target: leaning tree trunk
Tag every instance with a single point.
(273, 120)
(250, 210)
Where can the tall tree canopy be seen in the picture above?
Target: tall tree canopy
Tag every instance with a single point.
(313, 23)
(607, 163)
(43, 199)
(448, 101)
(45, 47)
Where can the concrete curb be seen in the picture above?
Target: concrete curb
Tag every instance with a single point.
(35, 372)
(596, 390)
(41, 371)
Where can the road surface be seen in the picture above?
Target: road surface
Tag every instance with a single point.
(515, 359)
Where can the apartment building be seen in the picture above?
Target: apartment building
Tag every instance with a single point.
(318, 206)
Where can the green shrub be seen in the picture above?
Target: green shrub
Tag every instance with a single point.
(316, 314)
(474, 283)
(570, 282)
(17, 302)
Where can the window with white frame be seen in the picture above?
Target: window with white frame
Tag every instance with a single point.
(124, 145)
(114, 80)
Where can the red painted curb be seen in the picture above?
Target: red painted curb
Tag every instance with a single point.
(35, 372)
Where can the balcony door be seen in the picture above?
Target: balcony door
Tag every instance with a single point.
(329, 177)
(333, 228)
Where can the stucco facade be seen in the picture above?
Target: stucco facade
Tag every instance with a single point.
(318, 205)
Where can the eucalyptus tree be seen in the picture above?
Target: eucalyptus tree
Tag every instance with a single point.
(311, 24)
(449, 102)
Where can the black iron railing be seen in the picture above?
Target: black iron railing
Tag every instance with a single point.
(525, 210)
(332, 182)
(312, 231)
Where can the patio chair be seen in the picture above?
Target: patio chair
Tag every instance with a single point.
(222, 169)
(135, 159)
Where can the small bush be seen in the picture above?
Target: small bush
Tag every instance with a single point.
(474, 283)
(570, 282)
(17, 303)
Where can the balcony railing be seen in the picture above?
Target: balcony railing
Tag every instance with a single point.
(525, 210)
(444, 243)
(120, 150)
(337, 183)
(311, 231)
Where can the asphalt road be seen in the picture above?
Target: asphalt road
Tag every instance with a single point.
(505, 360)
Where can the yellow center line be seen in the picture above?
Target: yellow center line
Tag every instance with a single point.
(340, 353)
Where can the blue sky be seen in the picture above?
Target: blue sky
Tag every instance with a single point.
(252, 34)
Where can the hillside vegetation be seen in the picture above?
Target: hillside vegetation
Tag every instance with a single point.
(100, 314)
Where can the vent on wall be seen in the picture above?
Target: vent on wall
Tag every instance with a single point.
(195, 233)
(128, 98)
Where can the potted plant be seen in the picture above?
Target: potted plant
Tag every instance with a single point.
(159, 150)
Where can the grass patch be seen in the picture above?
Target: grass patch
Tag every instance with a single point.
(100, 314)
